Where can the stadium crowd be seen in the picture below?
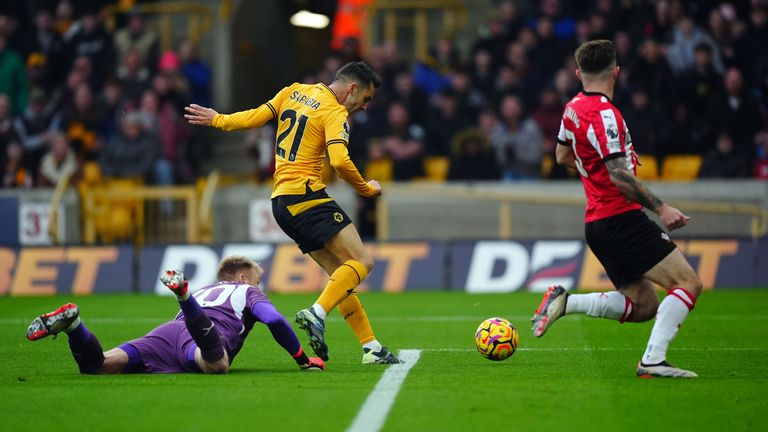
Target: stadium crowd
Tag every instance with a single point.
(694, 80)
(73, 93)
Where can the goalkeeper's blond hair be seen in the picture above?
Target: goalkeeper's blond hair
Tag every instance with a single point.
(230, 266)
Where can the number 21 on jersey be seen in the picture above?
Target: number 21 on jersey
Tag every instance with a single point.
(295, 119)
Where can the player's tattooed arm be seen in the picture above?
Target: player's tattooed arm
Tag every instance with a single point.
(630, 186)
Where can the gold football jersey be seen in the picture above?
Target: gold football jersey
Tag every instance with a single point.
(310, 119)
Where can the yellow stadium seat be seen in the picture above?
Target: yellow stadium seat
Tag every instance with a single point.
(547, 162)
(680, 167)
(122, 216)
(91, 173)
(380, 170)
(649, 170)
(436, 168)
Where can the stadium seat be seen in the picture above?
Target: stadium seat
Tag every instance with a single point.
(380, 170)
(119, 218)
(436, 168)
(680, 167)
(91, 173)
(648, 169)
(547, 162)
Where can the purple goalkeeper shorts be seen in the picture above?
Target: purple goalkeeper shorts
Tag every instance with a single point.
(168, 348)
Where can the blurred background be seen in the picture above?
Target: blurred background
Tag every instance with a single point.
(104, 184)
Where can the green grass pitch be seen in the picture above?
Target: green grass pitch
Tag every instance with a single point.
(580, 376)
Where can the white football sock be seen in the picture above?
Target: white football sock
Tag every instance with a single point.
(319, 311)
(611, 305)
(75, 324)
(669, 317)
(374, 345)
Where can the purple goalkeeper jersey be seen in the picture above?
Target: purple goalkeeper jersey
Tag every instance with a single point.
(229, 306)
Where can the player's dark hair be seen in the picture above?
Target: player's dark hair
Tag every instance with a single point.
(595, 56)
(231, 266)
(360, 73)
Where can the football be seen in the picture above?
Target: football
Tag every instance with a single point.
(496, 339)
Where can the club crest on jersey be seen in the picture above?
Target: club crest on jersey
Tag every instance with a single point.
(345, 134)
(665, 237)
(338, 217)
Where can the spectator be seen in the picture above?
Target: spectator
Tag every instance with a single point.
(486, 122)
(699, 85)
(547, 116)
(111, 101)
(684, 135)
(566, 85)
(469, 99)
(13, 77)
(93, 42)
(44, 40)
(34, 126)
(751, 48)
(404, 143)
(136, 37)
(7, 130)
(494, 39)
(564, 25)
(517, 142)
(549, 50)
(412, 97)
(133, 152)
(652, 73)
(685, 37)
(196, 72)
(58, 162)
(170, 69)
(508, 81)
(646, 123)
(661, 24)
(133, 75)
(721, 30)
(37, 73)
(64, 24)
(444, 56)
(432, 74)
(13, 174)
(444, 122)
(510, 18)
(483, 73)
(163, 121)
(162, 85)
(81, 121)
(735, 111)
(723, 161)
(472, 157)
(9, 27)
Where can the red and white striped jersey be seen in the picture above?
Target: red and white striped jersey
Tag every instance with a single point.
(596, 132)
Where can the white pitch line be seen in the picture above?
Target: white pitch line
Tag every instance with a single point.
(375, 410)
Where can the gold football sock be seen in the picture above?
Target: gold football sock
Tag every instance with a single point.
(354, 314)
(342, 283)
